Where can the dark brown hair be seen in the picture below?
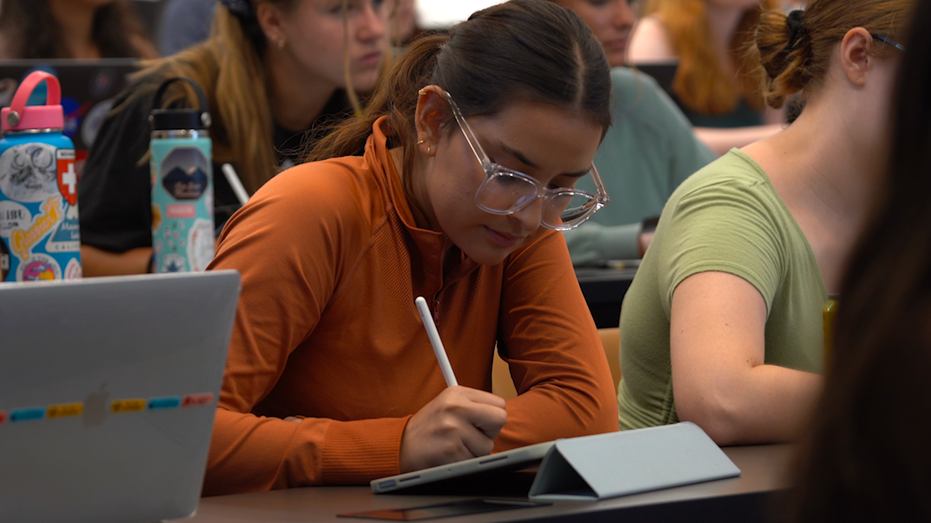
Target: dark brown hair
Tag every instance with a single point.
(520, 50)
(30, 31)
(867, 456)
(787, 69)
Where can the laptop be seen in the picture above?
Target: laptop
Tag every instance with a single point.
(509, 460)
(663, 72)
(108, 390)
(87, 91)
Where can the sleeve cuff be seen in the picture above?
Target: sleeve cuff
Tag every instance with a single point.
(359, 451)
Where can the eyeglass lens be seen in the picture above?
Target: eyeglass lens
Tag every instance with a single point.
(504, 193)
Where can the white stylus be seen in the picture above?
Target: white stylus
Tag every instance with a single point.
(434, 336)
(235, 183)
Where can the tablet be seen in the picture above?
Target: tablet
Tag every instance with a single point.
(510, 460)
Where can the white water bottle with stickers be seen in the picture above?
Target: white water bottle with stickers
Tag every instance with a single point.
(182, 184)
(39, 229)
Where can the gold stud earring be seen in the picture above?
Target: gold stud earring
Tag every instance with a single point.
(281, 44)
(420, 142)
(422, 92)
(428, 150)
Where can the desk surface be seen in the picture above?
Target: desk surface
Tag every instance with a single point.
(736, 499)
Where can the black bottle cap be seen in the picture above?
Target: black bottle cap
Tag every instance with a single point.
(172, 119)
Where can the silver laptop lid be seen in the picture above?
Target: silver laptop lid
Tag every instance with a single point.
(108, 390)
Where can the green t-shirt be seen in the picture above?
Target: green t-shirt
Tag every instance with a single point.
(728, 218)
(648, 151)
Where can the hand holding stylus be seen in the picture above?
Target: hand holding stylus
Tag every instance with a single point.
(460, 423)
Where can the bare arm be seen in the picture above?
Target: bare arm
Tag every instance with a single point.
(650, 43)
(720, 381)
(98, 262)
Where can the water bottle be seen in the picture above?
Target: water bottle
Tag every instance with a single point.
(39, 229)
(182, 185)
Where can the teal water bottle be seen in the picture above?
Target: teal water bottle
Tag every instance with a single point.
(182, 185)
(39, 230)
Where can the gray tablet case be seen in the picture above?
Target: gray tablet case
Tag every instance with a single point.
(621, 463)
(108, 391)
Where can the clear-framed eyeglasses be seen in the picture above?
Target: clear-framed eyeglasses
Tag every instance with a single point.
(506, 191)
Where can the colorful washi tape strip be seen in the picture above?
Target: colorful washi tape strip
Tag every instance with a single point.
(65, 410)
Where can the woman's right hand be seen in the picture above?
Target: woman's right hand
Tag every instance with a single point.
(460, 423)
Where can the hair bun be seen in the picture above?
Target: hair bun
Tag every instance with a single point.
(796, 23)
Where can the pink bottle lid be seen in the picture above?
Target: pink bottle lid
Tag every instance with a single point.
(20, 117)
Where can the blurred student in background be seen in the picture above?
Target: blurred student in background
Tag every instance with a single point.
(645, 155)
(866, 457)
(271, 70)
(472, 146)
(723, 324)
(82, 29)
(184, 23)
(713, 86)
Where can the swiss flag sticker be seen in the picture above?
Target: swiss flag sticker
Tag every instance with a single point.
(3, 417)
(67, 175)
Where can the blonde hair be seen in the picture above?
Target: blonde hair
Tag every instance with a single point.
(786, 69)
(701, 83)
(229, 68)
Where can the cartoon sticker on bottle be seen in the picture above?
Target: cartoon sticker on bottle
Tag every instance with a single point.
(29, 172)
(40, 267)
(184, 173)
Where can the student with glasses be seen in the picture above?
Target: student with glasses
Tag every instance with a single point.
(452, 185)
(723, 324)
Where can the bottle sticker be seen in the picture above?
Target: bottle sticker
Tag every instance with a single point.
(67, 236)
(40, 267)
(73, 271)
(29, 172)
(184, 173)
(171, 402)
(13, 215)
(201, 245)
(27, 414)
(67, 175)
(197, 400)
(21, 241)
(65, 410)
(180, 210)
(133, 405)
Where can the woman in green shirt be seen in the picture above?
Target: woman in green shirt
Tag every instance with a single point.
(722, 325)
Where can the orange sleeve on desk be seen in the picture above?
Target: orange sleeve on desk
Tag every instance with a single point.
(251, 453)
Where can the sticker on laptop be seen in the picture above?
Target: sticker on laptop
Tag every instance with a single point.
(65, 410)
(28, 414)
(132, 405)
(197, 400)
(3, 417)
(170, 402)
